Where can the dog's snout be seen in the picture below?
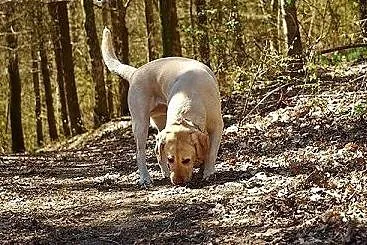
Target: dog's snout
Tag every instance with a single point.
(179, 181)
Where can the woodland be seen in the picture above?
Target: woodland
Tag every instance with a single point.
(291, 167)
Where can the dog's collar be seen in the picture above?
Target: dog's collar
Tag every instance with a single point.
(188, 123)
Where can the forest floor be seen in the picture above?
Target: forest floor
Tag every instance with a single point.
(293, 171)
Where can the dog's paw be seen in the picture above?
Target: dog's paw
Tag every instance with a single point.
(208, 172)
(145, 182)
(210, 178)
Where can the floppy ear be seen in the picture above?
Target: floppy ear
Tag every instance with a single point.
(158, 149)
(201, 143)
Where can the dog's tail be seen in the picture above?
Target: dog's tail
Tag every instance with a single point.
(110, 59)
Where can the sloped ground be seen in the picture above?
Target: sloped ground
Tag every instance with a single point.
(292, 172)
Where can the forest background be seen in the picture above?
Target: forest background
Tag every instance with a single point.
(248, 44)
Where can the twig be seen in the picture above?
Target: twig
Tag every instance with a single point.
(263, 99)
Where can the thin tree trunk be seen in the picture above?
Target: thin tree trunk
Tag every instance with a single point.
(100, 109)
(363, 17)
(107, 74)
(220, 47)
(192, 26)
(68, 65)
(170, 35)
(274, 44)
(291, 29)
(48, 93)
(239, 46)
(121, 43)
(37, 94)
(56, 41)
(150, 25)
(204, 47)
(14, 83)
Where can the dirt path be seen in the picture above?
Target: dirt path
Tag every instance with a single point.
(292, 174)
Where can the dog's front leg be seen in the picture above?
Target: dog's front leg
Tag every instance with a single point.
(162, 161)
(215, 138)
(164, 168)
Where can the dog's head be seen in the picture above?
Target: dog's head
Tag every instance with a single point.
(182, 148)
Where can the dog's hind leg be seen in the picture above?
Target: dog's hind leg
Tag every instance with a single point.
(140, 124)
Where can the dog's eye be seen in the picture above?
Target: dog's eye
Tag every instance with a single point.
(171, 159)
(186, 161)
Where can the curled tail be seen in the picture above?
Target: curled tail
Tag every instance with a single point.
(110, 59)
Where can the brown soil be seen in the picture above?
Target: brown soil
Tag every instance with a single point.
(293, 172)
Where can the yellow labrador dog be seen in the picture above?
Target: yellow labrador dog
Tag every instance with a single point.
(181, 99)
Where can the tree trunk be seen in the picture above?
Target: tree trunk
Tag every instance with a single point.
(48, 93)
(56, 41)
(150, 25)
(107, 73)
(121, 43)
(220, 46)
(192, 26)
(204, 48)
(363, 17)
(291, 29)
(274, 44)
(68, 65)
(100, 109)
(170, 35)
(37, 94)
(14, 83)
(239, 46)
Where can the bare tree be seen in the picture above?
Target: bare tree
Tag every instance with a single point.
(14, 81)
(107, 74)
(48, 93)
(291, 29)
(37, 94)
(203, 39)
(100, 109)
(274, 44)
(56, 41)
(68, 66)
(150, 26)
(121, 43)
(237, 30)
(170, 35)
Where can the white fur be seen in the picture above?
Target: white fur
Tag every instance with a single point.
(167, 91)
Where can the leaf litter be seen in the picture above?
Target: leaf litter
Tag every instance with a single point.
(293, 172)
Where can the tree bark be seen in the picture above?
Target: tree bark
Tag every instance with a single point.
(121, 43)
(150, 25)
(56, 41)
(107, 73)
(291, 29)
(100, 109)
(239, 46)
(192, 26)
(37, 94)
(68, 65)
(363, 17)
(14, 83)
(170, 35)
(48, 93)
(204, 47)
(274, 44)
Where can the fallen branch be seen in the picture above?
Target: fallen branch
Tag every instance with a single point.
(350, 46)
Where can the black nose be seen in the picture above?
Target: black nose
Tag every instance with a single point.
(179, 181)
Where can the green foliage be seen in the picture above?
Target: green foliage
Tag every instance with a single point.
(360, 108)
